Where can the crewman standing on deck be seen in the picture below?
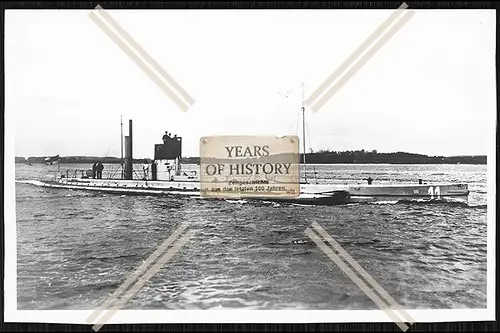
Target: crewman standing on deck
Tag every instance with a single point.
(369, 180)
(99, 168)
(94, 169)
(145, 169)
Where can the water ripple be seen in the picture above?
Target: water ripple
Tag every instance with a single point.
(75, 248)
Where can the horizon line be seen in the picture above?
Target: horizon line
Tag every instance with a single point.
(309, 153)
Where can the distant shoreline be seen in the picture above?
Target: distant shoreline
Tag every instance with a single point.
(322, 157)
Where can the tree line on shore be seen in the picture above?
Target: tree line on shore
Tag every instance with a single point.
(320, 157)
(374, 157)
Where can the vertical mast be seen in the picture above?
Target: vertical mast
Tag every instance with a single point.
(121, 142)
(304, 131)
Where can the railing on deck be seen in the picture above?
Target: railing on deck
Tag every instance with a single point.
(109, 172)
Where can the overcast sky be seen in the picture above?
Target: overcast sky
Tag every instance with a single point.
(430, 89)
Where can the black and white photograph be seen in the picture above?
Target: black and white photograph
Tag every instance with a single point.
(326, 165)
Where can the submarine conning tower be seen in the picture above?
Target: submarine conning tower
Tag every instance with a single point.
(167, 157)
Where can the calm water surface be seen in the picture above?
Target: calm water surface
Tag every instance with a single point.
(76, 247)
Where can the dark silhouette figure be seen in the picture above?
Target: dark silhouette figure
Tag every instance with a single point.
(145, 170)
(166, 137)
(94, 170)
(369, 180)
(99, 168)
(420, 181)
